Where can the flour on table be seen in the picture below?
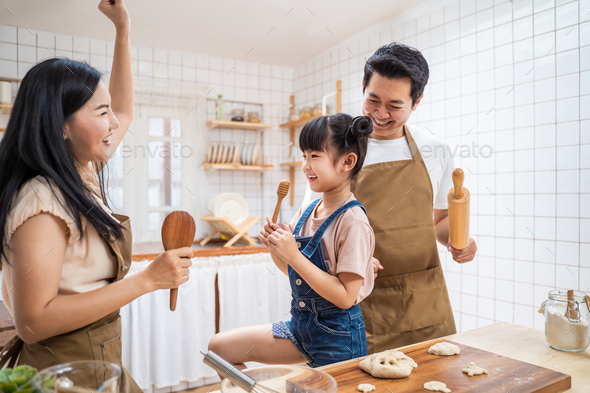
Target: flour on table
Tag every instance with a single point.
(436, 386)
(472, 369)
(365, 387)
(388, 364)
(444, 349)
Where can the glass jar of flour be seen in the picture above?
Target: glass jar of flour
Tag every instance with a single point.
(567, 321)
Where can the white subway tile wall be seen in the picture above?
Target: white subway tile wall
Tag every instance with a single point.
(513, 77)
(510, 78)
(266, 86)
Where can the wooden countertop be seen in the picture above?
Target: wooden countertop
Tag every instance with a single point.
(149, 251)
(527, 345)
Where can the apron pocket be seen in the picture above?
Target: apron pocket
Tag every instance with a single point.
(106, 342)
(410, 301)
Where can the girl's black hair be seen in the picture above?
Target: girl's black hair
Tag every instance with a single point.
(340, 134)
(33, 145)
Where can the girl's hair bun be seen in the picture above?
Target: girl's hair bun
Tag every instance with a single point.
(360, 127)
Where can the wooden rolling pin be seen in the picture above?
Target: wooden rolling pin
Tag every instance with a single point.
(178, 230)
(459, 211)
(282, 192)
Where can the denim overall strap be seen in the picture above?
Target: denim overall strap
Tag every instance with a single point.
(304, 216)
(317, 237)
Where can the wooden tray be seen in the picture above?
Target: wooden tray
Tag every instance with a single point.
(504, 374)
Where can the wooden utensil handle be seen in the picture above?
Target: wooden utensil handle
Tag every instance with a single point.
(173, 297)
(458, 178)
(275, 215)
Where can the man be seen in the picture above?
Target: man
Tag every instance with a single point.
(403, 186)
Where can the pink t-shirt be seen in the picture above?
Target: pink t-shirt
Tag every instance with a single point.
(348, 243)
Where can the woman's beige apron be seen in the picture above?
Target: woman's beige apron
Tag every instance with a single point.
(410, 302)
(100, 340)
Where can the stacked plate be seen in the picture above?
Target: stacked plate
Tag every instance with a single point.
(235, 153)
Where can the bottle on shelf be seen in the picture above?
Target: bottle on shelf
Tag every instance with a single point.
(219, 108)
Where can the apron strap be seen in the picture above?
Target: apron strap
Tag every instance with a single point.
(10, 352)
(317, 236)
(304, 216)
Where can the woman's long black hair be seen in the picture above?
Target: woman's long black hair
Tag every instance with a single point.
(339, 133)
(33, 144)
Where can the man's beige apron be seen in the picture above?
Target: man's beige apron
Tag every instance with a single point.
(100, 340)
(410, 302)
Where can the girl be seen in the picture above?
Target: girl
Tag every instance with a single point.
(64, 253)
(326, 250)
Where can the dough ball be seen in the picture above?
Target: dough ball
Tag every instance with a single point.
(472, 369)
(444, 349)
(365, 388)
(436, 386)
(388, 364)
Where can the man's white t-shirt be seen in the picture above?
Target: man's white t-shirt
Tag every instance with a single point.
(435, 153)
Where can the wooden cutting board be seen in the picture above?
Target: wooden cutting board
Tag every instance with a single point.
(504, 374)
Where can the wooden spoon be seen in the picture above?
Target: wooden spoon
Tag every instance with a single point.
(282, 192)
(178, 230)
(571, 312)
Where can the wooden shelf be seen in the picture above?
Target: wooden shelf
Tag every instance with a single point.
(297, 123)
(292, 164)
(2, 129)
(238, 125)
(238, 167)
(6, 108)
(292, 126)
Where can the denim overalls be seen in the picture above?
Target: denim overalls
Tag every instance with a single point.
(322, 332)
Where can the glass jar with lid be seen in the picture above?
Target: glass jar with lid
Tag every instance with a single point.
(306, 112)
(295, 114)
(253, 117)
(317, 110)
(237, 115)
(566, 320)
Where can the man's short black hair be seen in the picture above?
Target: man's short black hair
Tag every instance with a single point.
(398, 61)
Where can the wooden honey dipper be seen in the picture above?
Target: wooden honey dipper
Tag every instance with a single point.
(282, 192)
(458, 198)
(178, 230)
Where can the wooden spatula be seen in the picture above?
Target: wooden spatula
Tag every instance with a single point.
(282, 192)
(178, 230)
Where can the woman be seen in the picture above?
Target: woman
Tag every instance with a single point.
(64, 253)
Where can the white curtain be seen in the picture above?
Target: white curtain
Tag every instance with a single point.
(252, 291)
(162, 348)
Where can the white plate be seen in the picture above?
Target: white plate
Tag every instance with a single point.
(230, 153)
(218, 155)
(209, 152)
(255, 153)
(249, 154)
(237, 153)
(231, 205)
(244, 152)
(213, 159)
(223, 154)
